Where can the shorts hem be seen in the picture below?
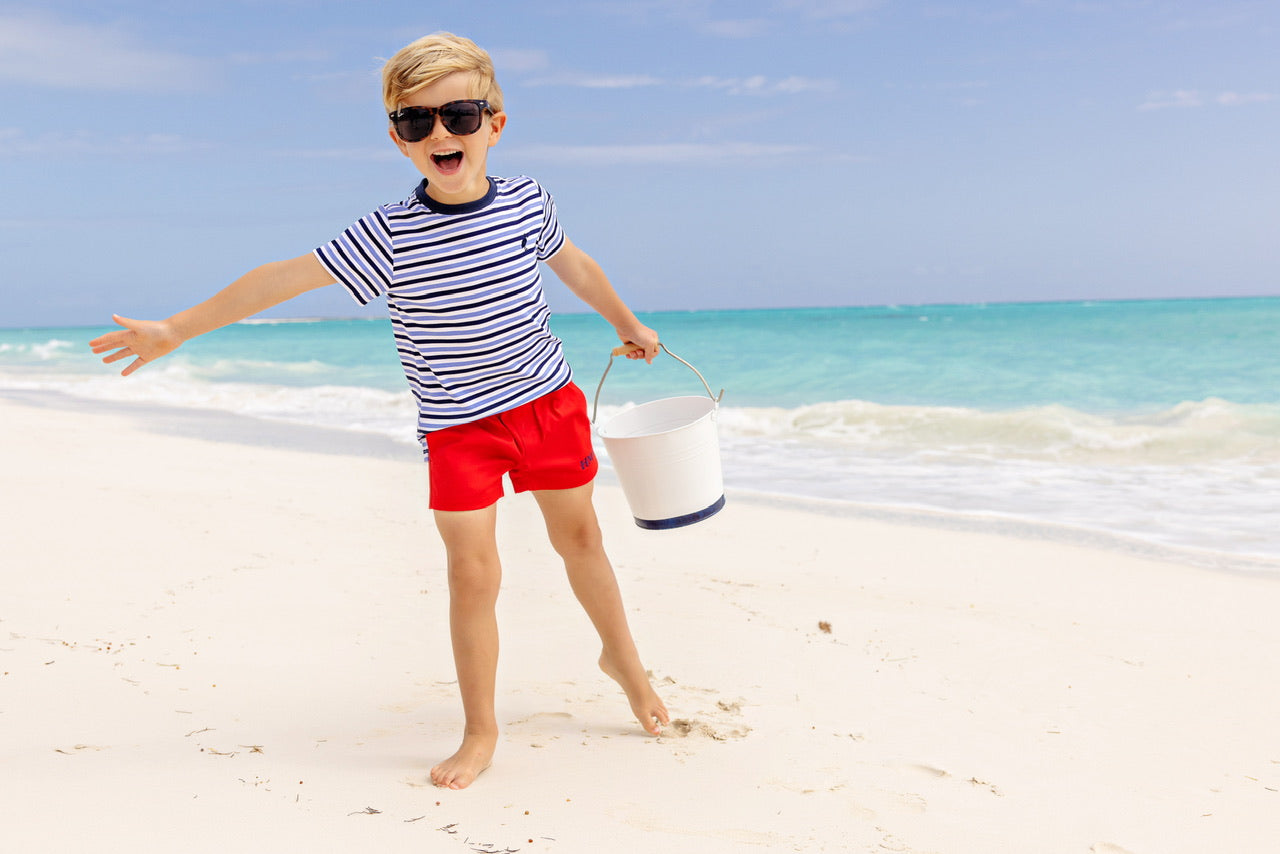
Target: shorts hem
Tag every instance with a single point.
(481, 503)
(543, 484)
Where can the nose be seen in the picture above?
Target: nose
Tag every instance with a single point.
(437, 124)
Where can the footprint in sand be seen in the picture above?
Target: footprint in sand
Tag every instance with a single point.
(716, 718)
(685, 728)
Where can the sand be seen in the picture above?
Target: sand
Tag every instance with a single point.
(240, 645)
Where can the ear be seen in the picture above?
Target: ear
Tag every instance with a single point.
(400, 143)
(497, 122)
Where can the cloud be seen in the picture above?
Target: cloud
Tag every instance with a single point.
(755, 85)
(1235, 99)
(761, 85)
(17, 143)
(595, 81)
(37, 48)
(1180, 98)
(1184, 98)
(732, 153)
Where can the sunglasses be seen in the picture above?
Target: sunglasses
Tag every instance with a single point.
(460, 118)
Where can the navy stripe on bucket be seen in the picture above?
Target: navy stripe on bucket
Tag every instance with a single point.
(681, 521)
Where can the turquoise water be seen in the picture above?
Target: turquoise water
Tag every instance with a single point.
(1154, 420)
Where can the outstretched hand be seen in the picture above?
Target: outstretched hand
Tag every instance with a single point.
(144, 340)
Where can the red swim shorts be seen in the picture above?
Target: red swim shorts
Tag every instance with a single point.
(544, 444)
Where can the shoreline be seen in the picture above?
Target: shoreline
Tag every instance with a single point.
(1019, 528)
(223, 426)
(219, 646)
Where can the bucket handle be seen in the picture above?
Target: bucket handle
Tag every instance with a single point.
(627, 348)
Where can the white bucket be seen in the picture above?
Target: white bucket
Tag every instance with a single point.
(667, 457)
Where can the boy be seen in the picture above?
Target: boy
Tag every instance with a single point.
(458, 263)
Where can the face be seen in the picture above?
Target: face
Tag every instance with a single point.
(454, 166)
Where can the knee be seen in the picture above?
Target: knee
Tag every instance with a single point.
(582, 538)
(474, 579)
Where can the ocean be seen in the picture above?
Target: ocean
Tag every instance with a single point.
(1147, 425)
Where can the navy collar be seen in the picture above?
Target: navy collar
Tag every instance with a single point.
(464, 208)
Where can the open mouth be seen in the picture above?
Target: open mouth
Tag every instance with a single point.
(447, 162)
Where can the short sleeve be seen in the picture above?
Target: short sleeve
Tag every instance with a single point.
(552, 237)
(360, 258)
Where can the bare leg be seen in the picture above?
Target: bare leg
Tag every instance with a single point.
(475, 573)
(575, 534)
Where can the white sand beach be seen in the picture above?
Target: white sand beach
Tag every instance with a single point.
(240, 645)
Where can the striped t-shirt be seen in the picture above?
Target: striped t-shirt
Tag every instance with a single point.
(465, 296)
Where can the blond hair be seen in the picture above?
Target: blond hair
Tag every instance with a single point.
(431, 58)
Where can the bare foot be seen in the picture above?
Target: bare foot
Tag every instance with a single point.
(645, 703)
(462, 768)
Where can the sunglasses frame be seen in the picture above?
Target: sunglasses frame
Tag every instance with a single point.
(431, 113)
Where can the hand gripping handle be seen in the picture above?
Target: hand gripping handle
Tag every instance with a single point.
(627, 348)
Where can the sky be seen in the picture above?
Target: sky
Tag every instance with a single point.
(710, 155)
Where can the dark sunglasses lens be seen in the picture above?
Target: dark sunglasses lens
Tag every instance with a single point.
(414, 125)
(461, 119)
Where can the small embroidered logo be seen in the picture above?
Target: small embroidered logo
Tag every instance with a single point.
(585, 462)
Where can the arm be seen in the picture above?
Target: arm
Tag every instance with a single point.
(582, 275)
(255, 291)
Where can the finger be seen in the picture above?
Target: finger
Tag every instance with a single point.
(644, 352)
(110, 341)
(133, 366)
(117, 355)
(116, 337)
